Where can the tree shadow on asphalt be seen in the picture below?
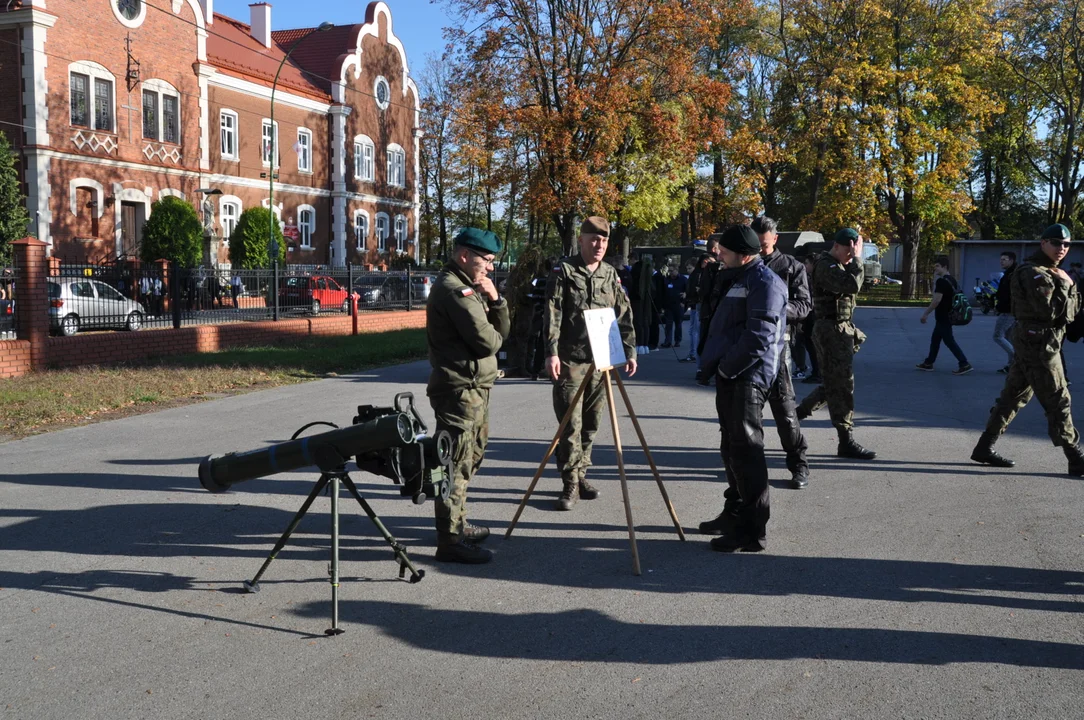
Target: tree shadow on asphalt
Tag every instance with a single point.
(591, 636)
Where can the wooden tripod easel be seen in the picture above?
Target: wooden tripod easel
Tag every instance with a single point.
(574, 407)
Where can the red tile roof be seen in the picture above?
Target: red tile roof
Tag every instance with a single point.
(321, 54)
(231, 48)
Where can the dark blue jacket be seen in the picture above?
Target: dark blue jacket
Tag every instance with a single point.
(749, 327)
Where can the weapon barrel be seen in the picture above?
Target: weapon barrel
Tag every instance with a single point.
(327, 451)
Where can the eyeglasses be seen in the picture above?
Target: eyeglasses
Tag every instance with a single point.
(485, 260)
(1060, 243)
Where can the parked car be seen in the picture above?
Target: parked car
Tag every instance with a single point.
(315, 293)
(80, 304)
(381, 290)
(420, 285)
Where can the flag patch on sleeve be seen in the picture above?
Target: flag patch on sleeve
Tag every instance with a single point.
(466, 292)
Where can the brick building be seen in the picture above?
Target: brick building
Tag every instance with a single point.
(113, 104)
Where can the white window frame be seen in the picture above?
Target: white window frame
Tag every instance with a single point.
(265, 149)
(381, 80)
(364, 167)
(234, 134)
(304, 150)
(383, 229)
(161, 88)
(362, 238)
(227, 228)
(306, 229)
(94, 72)
(396, 166)
(400, 233)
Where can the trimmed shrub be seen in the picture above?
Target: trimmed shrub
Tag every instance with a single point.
(249, 241)
(172, 232)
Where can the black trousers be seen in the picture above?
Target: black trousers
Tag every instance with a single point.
(741, 406)
(784, 411)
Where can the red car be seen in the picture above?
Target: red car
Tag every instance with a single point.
(315, 292)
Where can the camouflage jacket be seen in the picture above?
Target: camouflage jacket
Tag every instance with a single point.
(835, 286)
(1040, 297)
(572, 288)
(464, 331)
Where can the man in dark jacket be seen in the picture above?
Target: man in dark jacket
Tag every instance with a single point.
(781, 394)
(1003, 307)
(466, 323)
(744, 350)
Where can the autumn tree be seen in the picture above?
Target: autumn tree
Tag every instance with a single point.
(14, 219)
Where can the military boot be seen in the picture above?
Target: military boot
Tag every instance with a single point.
(570, 493)
(587, 490)
(455, 548)
(474, 533)
(848, 448)
(1075, 455)
(984, 452)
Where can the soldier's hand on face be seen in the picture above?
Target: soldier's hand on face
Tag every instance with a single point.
(487, 288)
(630, 368)
(553, 366)
(1063, 275)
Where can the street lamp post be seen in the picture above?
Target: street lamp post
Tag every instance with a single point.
(272, 244)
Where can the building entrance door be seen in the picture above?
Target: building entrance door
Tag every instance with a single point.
(132, 217)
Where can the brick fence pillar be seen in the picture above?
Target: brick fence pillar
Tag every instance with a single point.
(32, 297)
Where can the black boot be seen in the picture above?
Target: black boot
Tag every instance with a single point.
(1075, 455)
(725, 522)
(570, 493)
(455, 548)
(799, 479)
(848, 448)
(587, 490)
(984, 452)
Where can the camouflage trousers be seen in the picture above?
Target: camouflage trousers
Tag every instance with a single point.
(1037, 370)
(836, 343)
(574, 445)
(464, 414)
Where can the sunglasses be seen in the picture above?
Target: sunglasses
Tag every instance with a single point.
(1060, 243)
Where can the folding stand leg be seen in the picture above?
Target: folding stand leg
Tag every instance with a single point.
(253, 584)
(650, 460)
(552, 447)
(399, 549)
(333, 570)
(621, 471)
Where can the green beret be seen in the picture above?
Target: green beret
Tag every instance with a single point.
(1056, 232)
(484, 241)
(846, 236)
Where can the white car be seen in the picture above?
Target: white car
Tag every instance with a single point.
(81, 303)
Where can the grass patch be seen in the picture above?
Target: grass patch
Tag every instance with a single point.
(51, 399)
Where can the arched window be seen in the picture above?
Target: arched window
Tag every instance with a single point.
(396, 166)
(306, 224)
(382, 228)
(364, 154)
(400, 233)
(229, 210)
(91, 95)
(361, 229)
(161, 112)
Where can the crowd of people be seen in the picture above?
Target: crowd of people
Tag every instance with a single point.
(754, 311)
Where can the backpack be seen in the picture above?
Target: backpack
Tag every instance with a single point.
(960, 309)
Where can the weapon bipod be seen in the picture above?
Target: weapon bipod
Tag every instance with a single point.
(331, 479)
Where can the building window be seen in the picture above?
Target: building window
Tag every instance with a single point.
(400, 233)
(381, 232)
(79, 84)
(269, 137)
(361, 228)
(382, 93)
(103, 104)
(396, 166)
(364, 154)
(306, 224)
(161, 112)
(304, 150)
(227, 123)
(229, 212)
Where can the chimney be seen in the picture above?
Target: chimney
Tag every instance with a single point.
(208, 11)
(261, 23)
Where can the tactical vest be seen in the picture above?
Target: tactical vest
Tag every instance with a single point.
(828, 305)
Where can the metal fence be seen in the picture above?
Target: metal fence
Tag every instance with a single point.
(8, 283)
(114, 296)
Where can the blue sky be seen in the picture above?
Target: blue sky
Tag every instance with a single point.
(418, 23)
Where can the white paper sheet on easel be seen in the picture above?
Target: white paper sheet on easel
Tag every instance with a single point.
(605, 338)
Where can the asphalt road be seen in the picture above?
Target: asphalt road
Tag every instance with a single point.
(918, 585)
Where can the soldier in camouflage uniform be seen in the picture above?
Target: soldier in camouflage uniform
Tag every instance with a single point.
(521, 307)
(837, 278)
(466, 323)
(1044, 300)
(581, 283)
